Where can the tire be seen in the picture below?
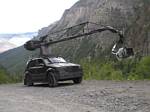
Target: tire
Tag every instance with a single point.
(52, 82)
(28, 80)
(77, 80)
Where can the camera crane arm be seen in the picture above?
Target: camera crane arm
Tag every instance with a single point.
(43, 44)
(84, 34)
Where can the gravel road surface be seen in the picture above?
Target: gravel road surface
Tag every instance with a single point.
(90, 96)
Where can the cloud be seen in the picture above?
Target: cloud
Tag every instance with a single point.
(18, 41)
(4, 46)
(30, 15)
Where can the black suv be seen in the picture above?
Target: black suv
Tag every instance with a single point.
(51, 70)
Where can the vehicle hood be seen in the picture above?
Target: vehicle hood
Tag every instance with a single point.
(62, 64)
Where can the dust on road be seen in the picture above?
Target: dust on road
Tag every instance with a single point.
(90, 96)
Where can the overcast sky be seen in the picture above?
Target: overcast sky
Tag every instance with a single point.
(18, 16)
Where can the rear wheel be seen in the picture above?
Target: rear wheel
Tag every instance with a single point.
(52, 82)
(28, 80)
(77, 80)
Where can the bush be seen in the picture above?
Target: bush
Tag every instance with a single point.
(117, 75)
(134, 76)
(6, 78)
(143, 68)
(100, 70)
(129, 69)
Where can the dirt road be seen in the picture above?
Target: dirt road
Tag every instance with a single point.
(90, 96)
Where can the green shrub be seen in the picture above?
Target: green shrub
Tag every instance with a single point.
(6, 78)
(128, 69)
(117, 75)
(106, 71)
(134, 76)
(100, 70)
(143, 68)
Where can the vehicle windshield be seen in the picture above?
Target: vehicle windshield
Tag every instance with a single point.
(57, 60)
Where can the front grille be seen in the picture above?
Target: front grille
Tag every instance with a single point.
(72, 69)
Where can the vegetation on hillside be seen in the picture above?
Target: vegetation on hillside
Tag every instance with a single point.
(6, 78)
(130, 69)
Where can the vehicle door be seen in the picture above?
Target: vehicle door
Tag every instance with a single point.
(32, 69)
(40, 70)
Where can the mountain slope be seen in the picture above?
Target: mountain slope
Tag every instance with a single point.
(14, 60)
(121, 14)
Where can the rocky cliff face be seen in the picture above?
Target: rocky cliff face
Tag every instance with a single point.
(107, 12)
(138, 33)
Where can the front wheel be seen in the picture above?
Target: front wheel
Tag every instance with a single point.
(28, 80)
(77, 80)
(52, 82)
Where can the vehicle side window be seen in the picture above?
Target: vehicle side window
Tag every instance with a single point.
(40, 62)
(47, 61)
(32, 64)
